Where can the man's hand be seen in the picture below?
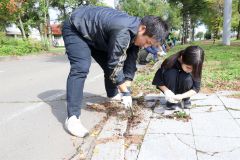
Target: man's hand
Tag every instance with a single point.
(169, 96)
(126, 94)
(127, 100)
(128, 83)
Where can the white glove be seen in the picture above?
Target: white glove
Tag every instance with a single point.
(127, 100)
(178, 97)
(169, 96)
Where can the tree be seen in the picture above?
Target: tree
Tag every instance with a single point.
(213, 17)
(160, 8)
(190, 12)
(238, 29)
(4, 15)
(44, 22)
(199, 35)
(11, 11)
(66, 6)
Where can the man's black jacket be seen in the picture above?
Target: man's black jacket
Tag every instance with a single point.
(112, 31)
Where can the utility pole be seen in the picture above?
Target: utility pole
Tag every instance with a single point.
(227, 22)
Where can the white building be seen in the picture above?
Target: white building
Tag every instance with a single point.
(13, 31)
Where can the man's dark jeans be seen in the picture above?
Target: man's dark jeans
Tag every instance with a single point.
(79, 53)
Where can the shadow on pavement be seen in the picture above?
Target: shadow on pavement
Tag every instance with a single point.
(56, 99)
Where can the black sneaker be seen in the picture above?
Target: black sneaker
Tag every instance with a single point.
(187, 103)
(171, 106)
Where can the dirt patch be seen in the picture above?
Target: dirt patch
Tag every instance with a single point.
(110, 108)
(235, 43)
(110, 139)
(133, 116)
(137, 117)
(179, 116)
(225, 85)
(237, 95)
(133, 139)
(207, 90)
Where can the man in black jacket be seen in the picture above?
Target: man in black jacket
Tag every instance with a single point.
(113, 39)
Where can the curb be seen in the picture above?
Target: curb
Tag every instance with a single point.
(8, 58)
(11, 58)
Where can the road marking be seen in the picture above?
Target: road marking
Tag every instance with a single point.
(38, 105)
(32, 107)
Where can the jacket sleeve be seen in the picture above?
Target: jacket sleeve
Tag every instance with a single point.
(158, 79)
(117, 47)
(196, 86)
(130, 68)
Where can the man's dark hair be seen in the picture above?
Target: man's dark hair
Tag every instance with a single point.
(155, 27)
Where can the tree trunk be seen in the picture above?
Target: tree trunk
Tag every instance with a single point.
(39, 27)
(49, 31)
(50, 39)
(182, 39)
(46, 26)
(193, 32)
(185, 28)
(238, 34)
(64, 10)
(215, 30)
(21, 27)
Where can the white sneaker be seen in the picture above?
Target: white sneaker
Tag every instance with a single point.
(75, 127)
(118, 97)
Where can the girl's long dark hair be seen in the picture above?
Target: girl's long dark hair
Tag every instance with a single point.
(192, 55)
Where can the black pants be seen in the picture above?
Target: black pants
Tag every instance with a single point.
(79, 53)
(178, 81)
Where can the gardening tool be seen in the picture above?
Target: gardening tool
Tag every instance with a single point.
(131, 112)
(182, 104)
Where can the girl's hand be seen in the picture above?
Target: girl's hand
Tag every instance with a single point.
(169, 96)
(178, 97)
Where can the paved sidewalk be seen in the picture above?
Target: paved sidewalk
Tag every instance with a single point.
(212, 133)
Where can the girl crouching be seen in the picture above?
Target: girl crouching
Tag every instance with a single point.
(179, 77)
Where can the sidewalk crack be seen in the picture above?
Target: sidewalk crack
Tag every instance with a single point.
(144, 135)
(227, 108)
(196, 152)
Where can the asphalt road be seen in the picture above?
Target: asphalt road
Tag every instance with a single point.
(33, 107)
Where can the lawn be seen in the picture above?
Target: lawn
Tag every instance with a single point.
(221, 70)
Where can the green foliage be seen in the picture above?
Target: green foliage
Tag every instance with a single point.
(181, 115)
(235, 14)
(12, 46)
(191, 11)
(66, 6)
(199, 35)
(221, 67)
(160, 8)
(8, 13)
(207, 35)
(143, 82)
